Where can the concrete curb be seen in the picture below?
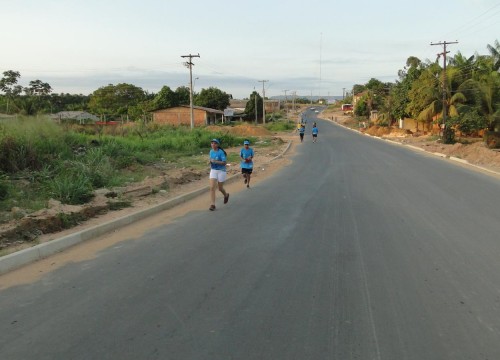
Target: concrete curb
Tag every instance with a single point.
(23, 257)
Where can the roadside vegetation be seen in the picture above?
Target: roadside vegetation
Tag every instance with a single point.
(471, 101)
(40, 159)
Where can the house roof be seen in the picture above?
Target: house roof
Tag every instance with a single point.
(209, 110)
(74, 115)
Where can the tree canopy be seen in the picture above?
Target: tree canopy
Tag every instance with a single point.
(116, 100)
(213, 98)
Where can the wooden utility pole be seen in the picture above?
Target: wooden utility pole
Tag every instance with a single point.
(445, 102)
(189, 64)
(263, 101)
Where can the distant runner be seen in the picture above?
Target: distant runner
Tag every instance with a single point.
(246, 155)
(315, 132)
(302, 131)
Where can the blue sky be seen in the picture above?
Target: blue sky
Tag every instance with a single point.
(311, 47)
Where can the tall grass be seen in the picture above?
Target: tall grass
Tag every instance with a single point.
(280, 126)
(68, 162)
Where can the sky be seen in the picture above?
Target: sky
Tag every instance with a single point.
(314, 47)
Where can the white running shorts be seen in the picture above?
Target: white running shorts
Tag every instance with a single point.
(220, 175)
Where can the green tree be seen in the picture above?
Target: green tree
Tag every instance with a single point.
(213, 98)
(165, 99)
(68, 102)
(36, 98)
(361, 108)
(425, 95)
(483, 94)
(250, 107)
(495, 54)
(182, 94)
(116, 100)
(8, 85)
(358, 89)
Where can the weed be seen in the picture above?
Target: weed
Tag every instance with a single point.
(120, 204)
(4, 187)
(70, 188)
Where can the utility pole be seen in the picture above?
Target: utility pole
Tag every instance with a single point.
(343, 93)
(286, 105)
(444, 43)
(255, 97)
(189, 64)
(263, 101)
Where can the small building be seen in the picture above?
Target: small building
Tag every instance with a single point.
(181, 115)
(81, 117)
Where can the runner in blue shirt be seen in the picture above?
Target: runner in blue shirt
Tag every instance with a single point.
(315, 132)
(246, 155)
(217, 172)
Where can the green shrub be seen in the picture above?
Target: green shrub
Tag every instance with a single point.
(70, 188)
(280, 126)
(4, 188)
(448, 135)
(492, 139)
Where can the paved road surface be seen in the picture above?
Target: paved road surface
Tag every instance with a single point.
(358, 250)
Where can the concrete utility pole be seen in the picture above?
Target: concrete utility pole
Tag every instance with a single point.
(263, 101)
(286, 104)
(189, 64)
(444, 43)
(255, 97)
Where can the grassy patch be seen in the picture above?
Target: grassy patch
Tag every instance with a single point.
(40, 159)
(280, 126)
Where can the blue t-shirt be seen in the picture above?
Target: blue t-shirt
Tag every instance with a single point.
(219, 156)
(315, 130)
(246, 153)
(302, 130)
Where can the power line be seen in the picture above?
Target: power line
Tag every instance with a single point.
(474, 21)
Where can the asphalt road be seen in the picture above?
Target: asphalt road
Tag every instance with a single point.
(358, 250)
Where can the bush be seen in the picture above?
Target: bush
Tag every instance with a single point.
(69, 187)
(448, 135)
(4, 189)
(492, 139)
(280, 126)
(468, 122)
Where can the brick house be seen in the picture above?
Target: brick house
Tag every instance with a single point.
(181, 115)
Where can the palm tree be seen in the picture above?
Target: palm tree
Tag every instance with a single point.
(495, 54)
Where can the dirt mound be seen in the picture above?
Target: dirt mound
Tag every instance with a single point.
(241, 130)
(378, 130)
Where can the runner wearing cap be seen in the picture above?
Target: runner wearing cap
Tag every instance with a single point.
(246, 155)
(217, 172)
